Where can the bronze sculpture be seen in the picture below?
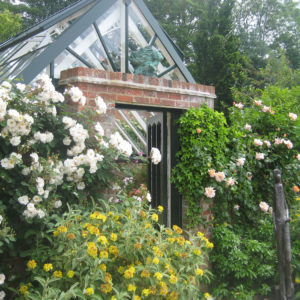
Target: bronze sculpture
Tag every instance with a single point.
(282, 233)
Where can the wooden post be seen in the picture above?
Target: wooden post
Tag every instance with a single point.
(282, 233)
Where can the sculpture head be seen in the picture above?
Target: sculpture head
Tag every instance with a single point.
(277, 176)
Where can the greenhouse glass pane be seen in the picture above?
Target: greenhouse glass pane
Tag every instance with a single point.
(109, 27)
(89, 47)
(65, 61)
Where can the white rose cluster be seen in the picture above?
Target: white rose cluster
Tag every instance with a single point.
(3, 106)
(100, 105)
(5, 89)
(155, 156)
(9, 163)
(46, 137)
(293, 117)
(17, 125)
(46, 90)
(120, 144)
(239, 105)
(76, 95)
(287, 143)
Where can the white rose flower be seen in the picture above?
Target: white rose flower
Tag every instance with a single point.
(23, 200)
(260, 156)
(40, 182)
(236, 207)
(15, 141)
(239, 105)
(293, 117)
(57, 204)
(258, 142)
(2, 278)
(267, 143)
(288, 144)
(264, 206)
(248, 127)
(148, 197)
(36, 199)
(266, 109)
(67, 141)
(21, 87)
(75, 93)
(100, 105)
(155, 156)
(210, 192)
(41, 213)
(30, 207)
(298, 156)
(2, 295)
(80, 185)
(230, 182)
(220, 176)
(99, 129)
(257, 102)
(240, 161)
(1, 219)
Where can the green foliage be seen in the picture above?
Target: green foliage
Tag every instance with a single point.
(199, 151)
(115, 250)
(10, 24)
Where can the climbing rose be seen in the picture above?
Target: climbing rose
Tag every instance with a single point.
(210, 192)
(264, 206)
(212, 172)
(293, 117)
(220, 176)
(260, 156)
(155, 156)
(240, 161)
(258, 142)
(248, 127)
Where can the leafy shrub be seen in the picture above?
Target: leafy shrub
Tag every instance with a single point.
(116, 251)
(232, 166)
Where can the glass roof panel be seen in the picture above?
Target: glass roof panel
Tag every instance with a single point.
(65, 61)
(109, 27)
(89, 47)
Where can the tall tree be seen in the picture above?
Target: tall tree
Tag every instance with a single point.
(10, 24)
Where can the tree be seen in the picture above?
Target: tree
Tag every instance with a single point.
(10, 24)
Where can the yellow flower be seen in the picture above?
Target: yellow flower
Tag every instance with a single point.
(57, 274)
(297, 280)
(155, 260)
(103, 254)
(131, 288)
(93, 230)
(171, 240)
(89, 291)
(113, 237)
(200, 234)
(145, 273)
(62, 229)
(98, 216)
(71, 236)
(31, 264)
(173, 296)
(129, 273)
(173, 279)
(177, 229)
(197, 252)
(106, 288)
(92, 249)
(113, 298)
(70, 274)
(138, 246)
(84, 233)
(180, 240)
(163, 288)
(188, 242)
(207, 295)
(102, 267)
(137, 298)
(103, 240)
(110, 213)
(160, 208)
(114, 250)
(108, 277)
(209, 245)
(23, 289)
(148, 225)
(199, 272)
(121, 270)
(146, 292)
(48, 267)
(55, 233)
(154, 217)
(169, 232)
(158, 275)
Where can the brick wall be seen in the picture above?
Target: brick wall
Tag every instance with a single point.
(116, 87)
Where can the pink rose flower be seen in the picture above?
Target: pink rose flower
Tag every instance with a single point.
(260, 156)
(210, 192)
(264, 206)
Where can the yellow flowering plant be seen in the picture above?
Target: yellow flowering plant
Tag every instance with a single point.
(118, 256)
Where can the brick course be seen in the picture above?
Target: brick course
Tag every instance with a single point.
(135, 89)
